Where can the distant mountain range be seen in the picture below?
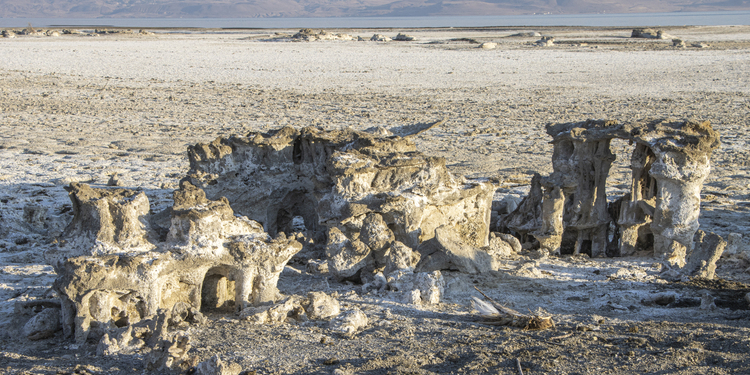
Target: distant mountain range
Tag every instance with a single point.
(344, 8)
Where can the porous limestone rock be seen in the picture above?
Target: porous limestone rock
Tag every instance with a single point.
(546, 41)
(44, 324)
(376, 234)
(367, 199)
(380, 38)
(210, 260)
(400, 258)
(321, 306)
(511, 240)
(170, 354)
(735, 244)
(317, 266)
(312, 35)
(346, 257)
(24, 311)
(349, 322)
(568, 210)
(106, 221)
(404, 38)
(122, 341)
(649, 34)
(276, 313)
(501, 248)
(215, 366)
(356, 192)
(417, 288)
(447, 252)
(701, 262)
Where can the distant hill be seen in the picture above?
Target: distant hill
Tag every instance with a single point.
(344, 8)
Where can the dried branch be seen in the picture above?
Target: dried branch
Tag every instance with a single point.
(497, 314)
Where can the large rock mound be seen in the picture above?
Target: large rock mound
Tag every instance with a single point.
(352, 193)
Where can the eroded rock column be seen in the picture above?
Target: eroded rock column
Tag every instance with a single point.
(637, 207)
(679, 179)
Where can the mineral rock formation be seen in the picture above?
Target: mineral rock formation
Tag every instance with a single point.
(106, 222)
(210, 259)
(444, 252)
(649, 34)
(123, 341)
(312, 35)
(380, 38)
(546, 41)
(368, 200)
(215, 366)
(43, 324)
(417, 288)
(352, 193)
(275, 314)
(321, 306)
(400, 257)
(404, 38)
(349, 322)
(568, 210)
(708, 249)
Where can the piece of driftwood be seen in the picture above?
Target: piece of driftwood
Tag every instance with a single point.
(494, 313)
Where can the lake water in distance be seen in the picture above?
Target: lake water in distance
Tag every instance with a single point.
(624, 20)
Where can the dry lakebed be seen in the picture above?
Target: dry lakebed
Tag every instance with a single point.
(120, 107)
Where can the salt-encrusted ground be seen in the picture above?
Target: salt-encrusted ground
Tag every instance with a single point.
(78, 108)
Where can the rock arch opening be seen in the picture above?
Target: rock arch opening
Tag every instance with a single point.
(218, 291)
(659, 211)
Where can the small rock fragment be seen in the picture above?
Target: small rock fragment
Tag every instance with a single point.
(707, 250)
(418, 288)
(349, 322)
(43, 325)
(400, 257)
(447, 252)
(404, 38)
(114, 180)
(321, 306)
(121, 342)
(380, 38)
(499, 247)
(649, 34)
(661, 299)
(514, 243)
(376, 235)
(707, 301)
(346, 257)
(546, 41)
(273, 314)
(317, 266)
(734, 244)
(215, 366)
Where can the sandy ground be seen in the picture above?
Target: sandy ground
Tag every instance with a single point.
(81, 108)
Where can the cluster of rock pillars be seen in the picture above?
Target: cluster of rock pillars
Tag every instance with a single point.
(369, 208)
